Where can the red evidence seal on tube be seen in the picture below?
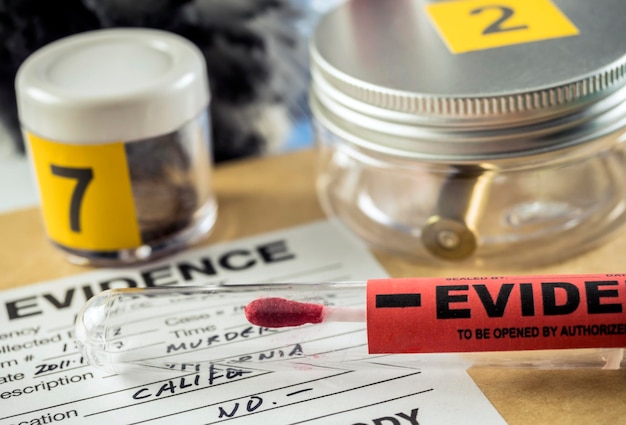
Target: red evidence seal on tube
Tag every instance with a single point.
(495, 313)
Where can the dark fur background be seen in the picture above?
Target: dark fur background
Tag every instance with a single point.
(256, 58)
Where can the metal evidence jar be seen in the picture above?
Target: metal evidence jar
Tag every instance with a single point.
(489, 133)
(117, 131)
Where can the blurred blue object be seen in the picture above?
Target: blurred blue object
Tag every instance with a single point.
(301, 135)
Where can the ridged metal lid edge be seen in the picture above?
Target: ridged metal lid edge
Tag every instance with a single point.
(569, 95)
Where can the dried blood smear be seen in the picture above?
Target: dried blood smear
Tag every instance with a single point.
(279, 312)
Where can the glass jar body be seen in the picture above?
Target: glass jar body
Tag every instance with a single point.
(123, 202)
(531, 210)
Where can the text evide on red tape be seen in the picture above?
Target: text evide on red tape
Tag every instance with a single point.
(441, 315)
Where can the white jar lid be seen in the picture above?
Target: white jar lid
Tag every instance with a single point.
(111, 85)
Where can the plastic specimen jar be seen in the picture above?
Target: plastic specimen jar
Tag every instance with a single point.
(118, 134)
(474, 133)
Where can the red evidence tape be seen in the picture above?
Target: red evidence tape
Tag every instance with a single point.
(442, 315)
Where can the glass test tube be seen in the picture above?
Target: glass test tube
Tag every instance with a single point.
(187, 328)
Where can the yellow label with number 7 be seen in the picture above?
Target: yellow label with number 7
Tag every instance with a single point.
(86, 194)
(469, 25)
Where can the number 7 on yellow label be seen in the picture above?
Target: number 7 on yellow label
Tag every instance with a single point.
(86, 194)
(83, 177)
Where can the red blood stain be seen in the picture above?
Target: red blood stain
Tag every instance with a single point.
(279, 312)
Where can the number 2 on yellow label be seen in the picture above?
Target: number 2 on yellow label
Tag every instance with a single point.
(86, 194)
(469, 25)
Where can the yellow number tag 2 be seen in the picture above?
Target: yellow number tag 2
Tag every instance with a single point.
(86, 194)
(469, 25)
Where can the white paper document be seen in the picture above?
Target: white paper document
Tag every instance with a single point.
(45, 380)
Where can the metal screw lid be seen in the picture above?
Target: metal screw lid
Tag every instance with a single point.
(384, 78)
